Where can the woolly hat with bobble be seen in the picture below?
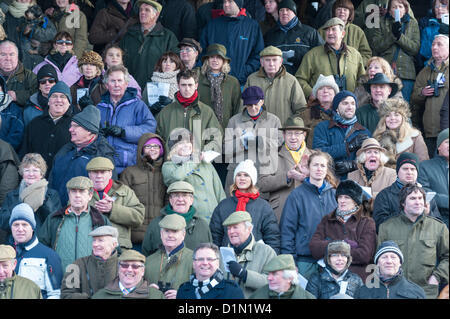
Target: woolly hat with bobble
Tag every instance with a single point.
(248, 167)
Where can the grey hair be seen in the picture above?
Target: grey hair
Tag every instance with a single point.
(2, 43)
(291, 274)
(362, 158)
(116, 68)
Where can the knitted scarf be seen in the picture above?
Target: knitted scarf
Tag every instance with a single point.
(343, 216)
(34, 194)
(216, 93)
(186, 101)
(289, 25)
(243, 199)
(17, 9)
(188, 216)
(347, 124)
(167, 77)
(203, 287)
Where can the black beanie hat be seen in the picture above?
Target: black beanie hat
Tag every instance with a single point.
(47, 71)
(239, 3)
(407, 158)
(290, 4)
(351, 189)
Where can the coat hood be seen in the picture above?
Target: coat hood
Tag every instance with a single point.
(140, 160)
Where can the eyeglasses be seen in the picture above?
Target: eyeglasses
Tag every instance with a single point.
(152, 147)
(207, 259)
(49, 80)
(133, 266)
(178, 195)
(66, 42)
(338, 255)
(187, 49)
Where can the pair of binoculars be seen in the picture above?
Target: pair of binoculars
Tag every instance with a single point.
(341, 82)
(435, 85)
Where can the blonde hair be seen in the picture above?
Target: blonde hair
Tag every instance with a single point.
(226, 68)
(34, 159)
(385, 66)
(362, 158)
(330, 177)
(399, 106)
(252, 189)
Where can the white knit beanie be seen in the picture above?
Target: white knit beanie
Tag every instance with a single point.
(248, 167)
(325, 81)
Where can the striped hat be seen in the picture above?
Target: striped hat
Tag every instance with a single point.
(386, 247)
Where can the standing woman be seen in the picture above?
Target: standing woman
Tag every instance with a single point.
(398, 42)
(304, 209)
(271, 16)
(245, 197)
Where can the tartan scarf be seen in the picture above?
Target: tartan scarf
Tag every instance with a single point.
(203, 287)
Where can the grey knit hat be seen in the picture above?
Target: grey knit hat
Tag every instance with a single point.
(89, 118)
(24, 212)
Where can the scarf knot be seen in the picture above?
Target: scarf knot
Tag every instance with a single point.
(186, 101)
(203, 287)
(243, 199)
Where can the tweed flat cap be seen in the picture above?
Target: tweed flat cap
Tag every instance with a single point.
(180, 186)
(79, 182)
(271, 51)
(105, 231)
(173, 222)
(236, 218)
(7, 253)
(100, 164)
(154, 4)
(280, 262)
(332, 22)
(131, 254)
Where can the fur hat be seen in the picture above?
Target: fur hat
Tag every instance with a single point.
(248, 167)
(351, 189)
(91, 57)
(397, 105)
(338, 247)
(325, 81)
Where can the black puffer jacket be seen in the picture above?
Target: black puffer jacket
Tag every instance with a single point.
(323, 285)
(400, 288)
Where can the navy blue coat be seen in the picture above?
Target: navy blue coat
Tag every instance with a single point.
(226, 289)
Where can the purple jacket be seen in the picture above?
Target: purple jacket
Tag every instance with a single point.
(69, 75)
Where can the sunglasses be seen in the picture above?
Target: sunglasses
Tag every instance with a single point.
(66, 42)
(133, 266)
(49, 80)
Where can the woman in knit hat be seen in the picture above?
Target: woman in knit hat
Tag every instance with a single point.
(350, 223)
(335, 278)
(90, 84)
(395, 132)
(246, 197)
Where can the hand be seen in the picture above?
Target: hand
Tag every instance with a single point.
(105, 131)
(433, 280)
(116, 131)
(427, 91)
(345, 166)
(104, 205)
(296, 173)
(397, 30)
(236, 269)
(353, 244)
(164, 100)
(356, 143)
(170, 294)
(13, 96)
(84, 101)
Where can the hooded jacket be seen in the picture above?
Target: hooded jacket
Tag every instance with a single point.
(69, 75)
(11, 126)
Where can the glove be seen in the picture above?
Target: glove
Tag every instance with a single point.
(397, 29)
(245, 137)
(443, 28)
(116, 131)
(105, 131)
(353, 244)
(355, 144)
(237, 270)
(164, 100)
(343, 167)
(84, 101)
(155, 108)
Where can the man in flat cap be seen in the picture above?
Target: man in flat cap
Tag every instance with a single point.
(13, 286)
(146, 41)
(85, 144)
(283, 281)
(251, 255)
(67, 230)
(335, 58)
(171, 265)
(114, 199)
(181, 198)
(283, 94)
(89, 274)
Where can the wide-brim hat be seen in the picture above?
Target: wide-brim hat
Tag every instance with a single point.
(381, 78)
(294, 123)
(216, 49)
(370, 143)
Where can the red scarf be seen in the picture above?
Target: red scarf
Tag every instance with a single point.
(215, 13)
(106, 190)
(243, 199)
(186, 102)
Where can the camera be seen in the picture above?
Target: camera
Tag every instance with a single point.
(435, 85)
(341, 81)
(164, 286)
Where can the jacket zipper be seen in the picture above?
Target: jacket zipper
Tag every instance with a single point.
(76, 237)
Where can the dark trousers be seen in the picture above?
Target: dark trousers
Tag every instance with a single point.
(431, 145)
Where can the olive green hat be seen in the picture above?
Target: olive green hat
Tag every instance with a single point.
(216, 49)
(332, 22)
(180, 186)
(7, 253)
(131, 254)
(271, 51)
(154, 4)
(100, 164)
(173, 222)
(105, 231)
(236, 218)
(280, 262)
(79, 182)
(294, 123)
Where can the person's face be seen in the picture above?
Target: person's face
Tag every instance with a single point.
(58, 104)
(117, 84)
(347, 108)
(294, 138)
(342, 13)
(373, 160)
(45, 84)
(271, 64)
(130, 272)
(318, 168)
(338, 262)
(188, 53)
(395, 4)
(443, 149)
(31, 174)
(394, 120)
(100, 179)
(380, 92)
(171, 239)
(325, 94)
(205, 263)
(345, 203)
(152, 151)
(21, 231)
(168, 65)
(388, 264)
(238, 233)
(271, 6)
(6, 269)
(79, 198)
(407, 173)
(89, 71)
(243, 181)
(440, 9)
(334, 35)
(253, 109)
(215, 63)
(103, 246)
(373, 69)
(277, 282)
(181, 201)
(439, 49)
(63, 45)
(285, 15)
(230, 8)
(147, 14)
(414, 204)
(113, 57)
(184, 148)
(8, 57)
(79, 135)
(187, 87)
(62, 3)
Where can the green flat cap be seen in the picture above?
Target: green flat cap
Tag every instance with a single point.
(79, 182)
(295, 123)
(271, 51)
(154, 4)
(105, 231)
(280, 262)
(131, 254)
(180, 186)
(332, 22)
(100, 164)
(173, 222)
(7, 253)
(236, 218)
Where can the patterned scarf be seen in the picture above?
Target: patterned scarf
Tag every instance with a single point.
(289, 25)
(243, 199)
(343, 216)
(216, 93)
(203, 287)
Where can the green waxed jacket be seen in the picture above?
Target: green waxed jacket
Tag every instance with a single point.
(299, 293)
(17, 287)
(24, 83)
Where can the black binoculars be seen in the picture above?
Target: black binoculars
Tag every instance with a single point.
(164, 286)
(341, 82)
(435, 85)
